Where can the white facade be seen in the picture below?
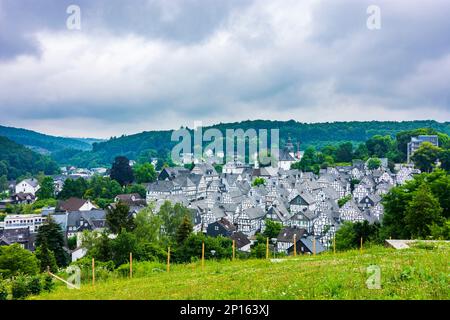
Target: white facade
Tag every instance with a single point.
(27, 186)
(33, 221)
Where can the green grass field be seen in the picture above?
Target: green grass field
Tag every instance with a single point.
(417, 273)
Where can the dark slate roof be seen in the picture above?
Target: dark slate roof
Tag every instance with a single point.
(308, 243)
(240, 239)
(161, 186)
(71, 204)
(285, 156)
(287, 234)
(17, 235)
(255, 213)
(226, 224)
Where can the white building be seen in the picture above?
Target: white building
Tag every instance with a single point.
(33, 221)
(28, 186)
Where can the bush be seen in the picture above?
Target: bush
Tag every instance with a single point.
(35, 285)
(48, 283)
(19, 288)
(3, 291)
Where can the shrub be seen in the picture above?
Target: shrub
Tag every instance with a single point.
(35, 285)
(19, 288)
(3, 291)
(48, 283)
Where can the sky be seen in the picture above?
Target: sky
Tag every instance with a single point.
(142, 65)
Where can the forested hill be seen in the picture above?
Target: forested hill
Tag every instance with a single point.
(41, 142)
(17, 160)
(158, 144)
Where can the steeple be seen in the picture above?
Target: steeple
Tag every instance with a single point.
(289, 146)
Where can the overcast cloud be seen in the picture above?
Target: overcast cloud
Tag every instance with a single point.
(144, 65)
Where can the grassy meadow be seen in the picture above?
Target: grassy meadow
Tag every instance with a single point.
(421, 272)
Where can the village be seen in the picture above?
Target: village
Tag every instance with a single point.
(235, 203)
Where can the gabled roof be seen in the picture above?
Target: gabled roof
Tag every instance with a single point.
(255, 213)
(227, 225)
(307, 197)
(72, 204)
(285, 156)
(162, 186)
(308, 242)
(287, 234)
(32, 182)
(240, 239)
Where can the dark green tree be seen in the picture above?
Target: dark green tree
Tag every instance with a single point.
(379, 146)
(444, 158)
(144, 173)
(184, 230)
(272, 229)
(51, 235)
(121, 247)
(46, 258)
(47, 189)
(374, 163)
(344, 152)
(15, 260)
(73, 188)
(426, 157)
(121, 171)
(258, 181)
(118, 217)
(423, 211)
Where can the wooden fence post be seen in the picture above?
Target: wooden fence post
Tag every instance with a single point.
(267, 248)
(334, 244)
(314, 246)
(234, 249)
(131, 265)
(203, 255)
(168, 259)
(295, 245)
(93, 271)
(361, 247)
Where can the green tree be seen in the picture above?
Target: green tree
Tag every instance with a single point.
(444, 157)
(374, 163)
(345, 237)
(73, 188)
(258, 181)
(148, 225)
(3, 183)
(272, 229)
(423, 211)
(51, 235)
(98, 245)
(361, 152)
(47, 189)
(121, 247)
(118, 217)
(184, 230)
(121, 171)
(344, 200)
(3, 291)
(344, 152)
(171, 217)
(144, 173)
(379, 146)
(46, 258)
(15, 260)
(72, 242)
(426, 156)
(137, 188)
